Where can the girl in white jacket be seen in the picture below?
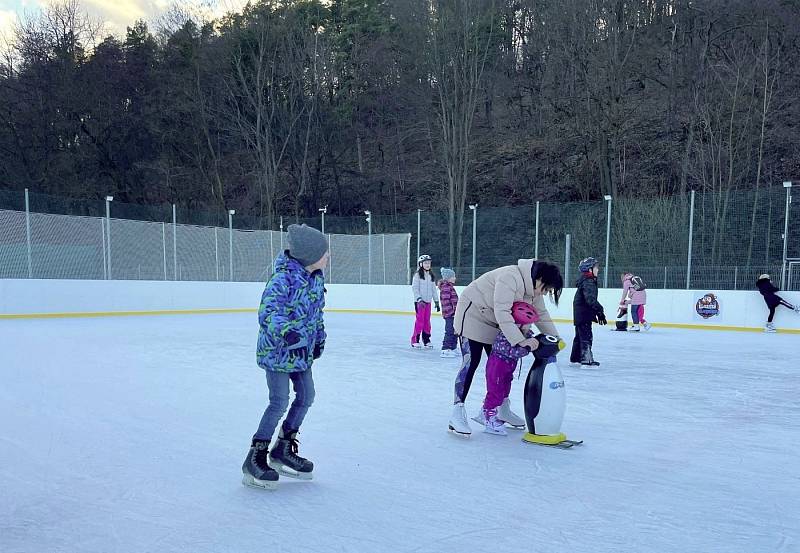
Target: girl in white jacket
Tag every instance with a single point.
(424, 287)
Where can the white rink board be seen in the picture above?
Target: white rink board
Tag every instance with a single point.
(741, 309)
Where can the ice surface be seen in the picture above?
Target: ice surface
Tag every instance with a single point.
(127, 435)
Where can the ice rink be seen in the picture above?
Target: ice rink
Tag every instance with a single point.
(127, 435)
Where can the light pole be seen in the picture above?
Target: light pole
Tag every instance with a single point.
(474, 208)
(536, 244)
(788, 186)
(369, 245)
(419, 226)
(231, 213)
(608, 239)
(691, 237)
(323, 211)
(109, 199)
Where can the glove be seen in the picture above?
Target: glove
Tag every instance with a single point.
(418, 300)
(318, 349)
(601, 319)
(292, 338)
(438, 307)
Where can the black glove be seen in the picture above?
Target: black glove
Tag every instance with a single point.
(601, 319)
(418, 300)
(318, 349)
(292, 338)
(438, 307)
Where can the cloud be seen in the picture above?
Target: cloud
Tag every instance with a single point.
(120, 14)
(7, 21)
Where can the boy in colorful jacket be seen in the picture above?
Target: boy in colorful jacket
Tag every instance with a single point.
(291, 337)
(449, 300)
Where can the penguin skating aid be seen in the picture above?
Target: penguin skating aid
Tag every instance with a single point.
(545, 397)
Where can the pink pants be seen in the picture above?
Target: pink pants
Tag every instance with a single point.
(499, 375)
(422, 324)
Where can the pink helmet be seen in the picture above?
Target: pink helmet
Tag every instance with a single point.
(524, 313)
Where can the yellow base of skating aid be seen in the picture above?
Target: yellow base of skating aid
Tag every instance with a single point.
(544, 439)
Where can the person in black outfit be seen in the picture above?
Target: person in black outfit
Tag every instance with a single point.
(586, 310)
(773, 300)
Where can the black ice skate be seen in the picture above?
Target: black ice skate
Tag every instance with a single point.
(256, 470)
(286, 461)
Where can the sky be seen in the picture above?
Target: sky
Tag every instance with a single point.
(117, 14)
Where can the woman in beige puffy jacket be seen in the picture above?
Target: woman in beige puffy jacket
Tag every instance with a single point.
(484, 310)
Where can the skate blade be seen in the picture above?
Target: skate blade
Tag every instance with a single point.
(291, 473)
(486, 430)
(479, 420)
(252, 482)
(455, 432)
(515, 426)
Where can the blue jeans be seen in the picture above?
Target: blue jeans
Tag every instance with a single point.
(278, 384)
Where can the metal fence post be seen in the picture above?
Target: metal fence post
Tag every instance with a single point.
(231, 213)
(536, 243)
(109, 199)
(608, 240)
(216, 252)
(788, 186)
(281, 233)
(665, 277)
(369, 246)
(566, 259)
(164, 246)
(103, 236)
(28, 232)
(474, 208)
(691, 236)
(174, 244)
(330, 259)
(736, 277)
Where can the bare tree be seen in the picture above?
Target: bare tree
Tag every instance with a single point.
(462, 33)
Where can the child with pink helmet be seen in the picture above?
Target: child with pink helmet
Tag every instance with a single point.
(500, 367)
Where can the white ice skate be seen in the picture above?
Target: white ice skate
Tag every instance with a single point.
(647, 326)
(493, 424)
(428, 346)
(448, 353)
(635, 328)
(504, 413)
(458, 421)
(770, 328)
(797, 308)
(416, 345)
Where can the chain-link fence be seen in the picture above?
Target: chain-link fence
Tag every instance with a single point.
(721, 240)
(44, 245)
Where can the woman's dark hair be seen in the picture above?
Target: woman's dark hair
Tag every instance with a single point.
(550, 275)
(421, 273)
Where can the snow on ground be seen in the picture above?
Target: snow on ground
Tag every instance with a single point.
(127, 435)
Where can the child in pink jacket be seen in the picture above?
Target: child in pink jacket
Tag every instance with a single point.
(500, 368)
(634, 293)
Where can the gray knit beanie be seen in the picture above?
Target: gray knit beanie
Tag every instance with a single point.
(306, 244)
(447, 273)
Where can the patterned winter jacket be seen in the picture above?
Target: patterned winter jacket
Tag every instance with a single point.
(290, 317)
(449, 298)
(503, 349)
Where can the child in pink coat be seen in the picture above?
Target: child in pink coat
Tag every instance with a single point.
(500, 367)
(634, 293)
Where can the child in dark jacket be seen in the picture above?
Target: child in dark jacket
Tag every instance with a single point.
(500, 371)
(773, 300)
(291, 337)
(449, 300)
(586, 310)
